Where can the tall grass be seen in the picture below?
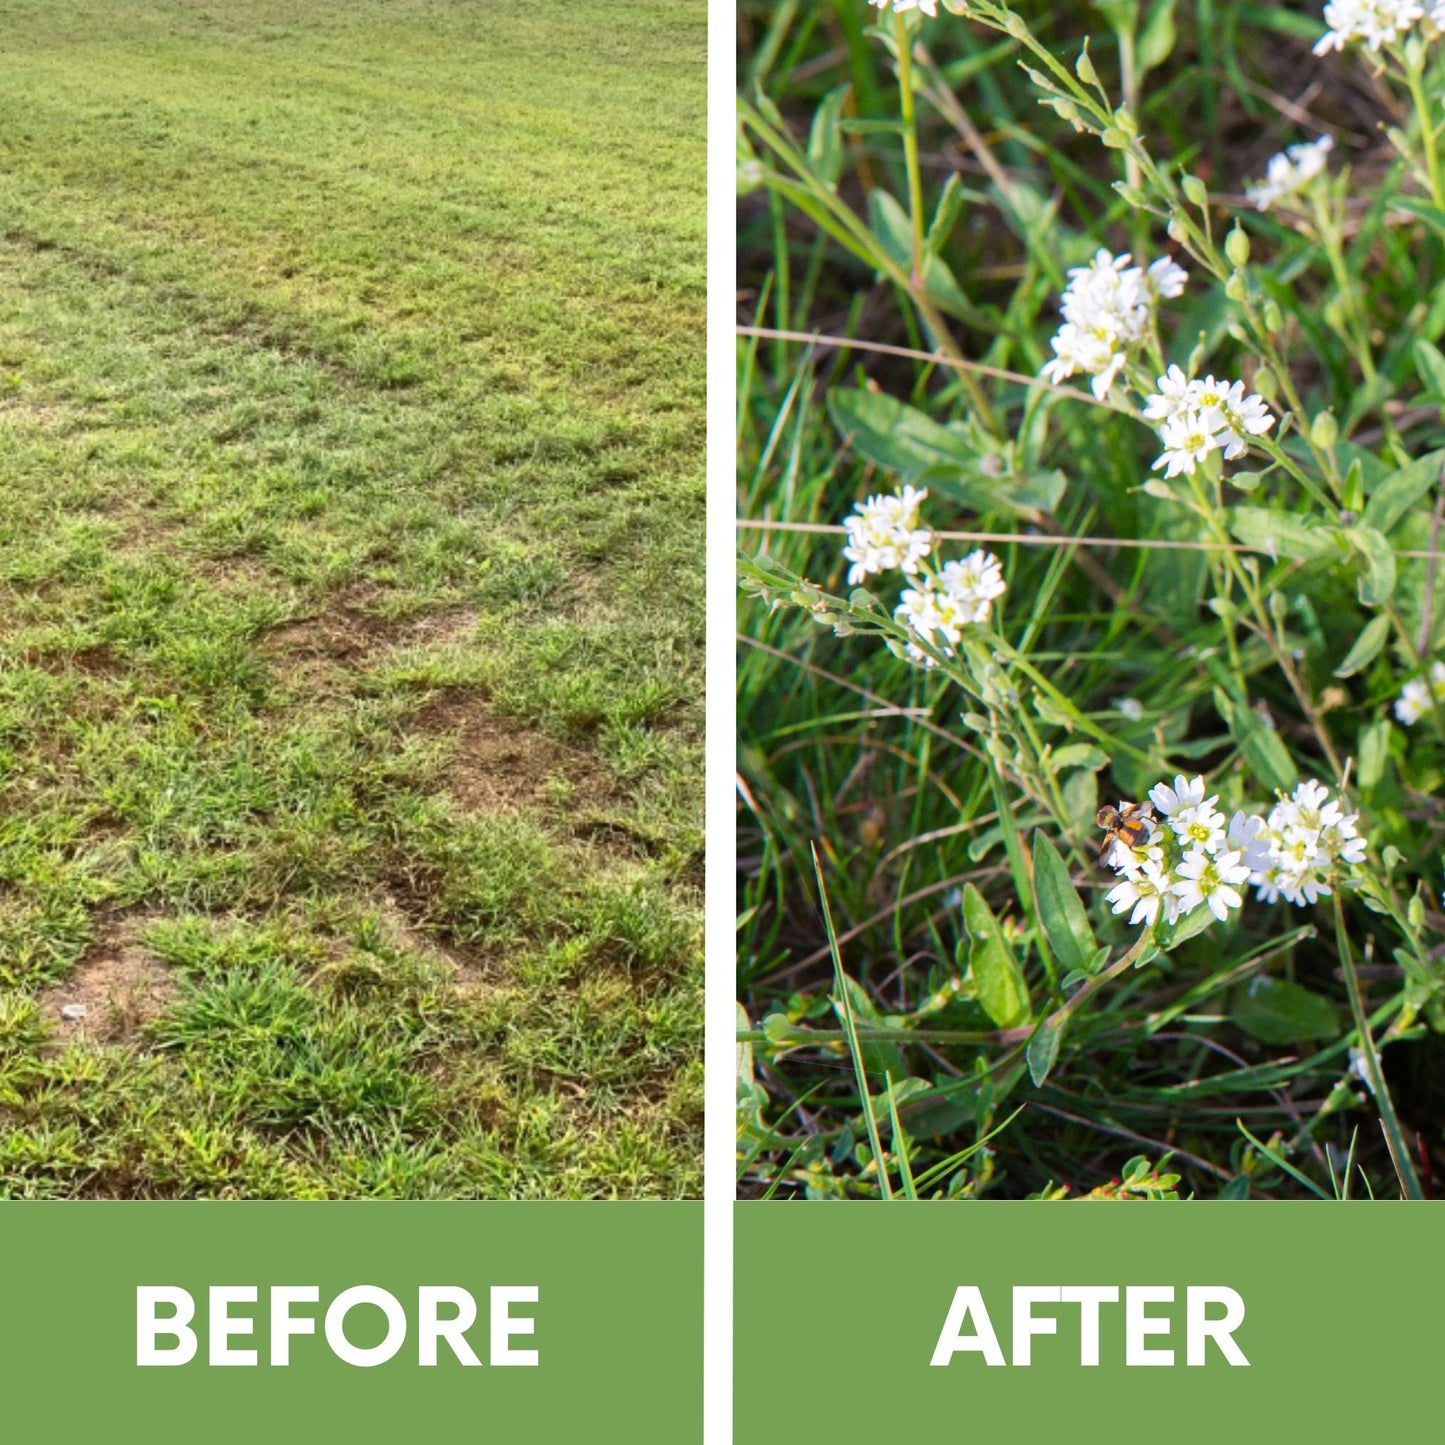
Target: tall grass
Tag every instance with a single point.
(901, 265)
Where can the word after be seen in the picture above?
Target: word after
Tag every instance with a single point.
(968, 1329)
(167, 1332)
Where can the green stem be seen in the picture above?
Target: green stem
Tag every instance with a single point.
(1414, 79)
(910, 142)
(1399, 1150)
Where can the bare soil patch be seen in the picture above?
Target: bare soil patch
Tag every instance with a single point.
(112, 993)
(502, 766)
(347, 636)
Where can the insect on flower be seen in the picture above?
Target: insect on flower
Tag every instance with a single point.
(1129, 826)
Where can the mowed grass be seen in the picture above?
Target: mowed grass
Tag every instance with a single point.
(351, 457)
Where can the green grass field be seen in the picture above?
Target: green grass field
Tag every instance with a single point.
(351, 458)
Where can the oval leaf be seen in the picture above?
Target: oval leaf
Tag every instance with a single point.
(1277, 534)
(1377, 582)
(997, 977)
(1043, 1049)
(1391, 499)
(1276, 1011)
(1367, 645)
(1060, 911)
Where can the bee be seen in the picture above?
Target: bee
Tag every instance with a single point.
(1126, 826)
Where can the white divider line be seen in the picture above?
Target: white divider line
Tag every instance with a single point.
(720, 941)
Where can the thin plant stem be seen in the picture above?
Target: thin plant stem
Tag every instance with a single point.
(1394, 1139)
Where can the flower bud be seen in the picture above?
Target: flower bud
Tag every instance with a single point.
(1266, 384)
(1084, 68)
(1236, 247)
(1325, 430)
(1273, 318)
(1196, 191)
(1236, 288)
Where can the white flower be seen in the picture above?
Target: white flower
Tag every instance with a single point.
(1167, 277)
(973, 583)
(1415, 698)
(1306, 843)
(1244, 837)
(883, 533)
(1108, 310)
(1183, 794)
(1360, 1067)
(1203, 416)
(1174, 396)
(1131, 707)
(1188, 439)
(1290, 172)
(929, 7)
(1200, 826)
(1247, 416)
(1191, 860)
(1212, 880)
(1376, 22)
(1142, 891)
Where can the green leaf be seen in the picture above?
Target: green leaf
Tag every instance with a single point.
(1431, 365)
(1081, 798)
(878, 1057)
(825, 143)
(1367, 646)
(1060, 911)
(1171, 935)
(1078, 755)
(1043, 1049)
(1431, 215)
(899, 437)
(1264, 752)
(1392, 498)
(950, 203)
(1374, 751)
(1156, 44)
(909, 443)
(1276, 1011)
(1280, 535)
(997, 978)
(1377, 582)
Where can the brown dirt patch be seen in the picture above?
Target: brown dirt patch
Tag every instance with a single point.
(471, 970)
(118, 984)
(346, 636)
(502, 766)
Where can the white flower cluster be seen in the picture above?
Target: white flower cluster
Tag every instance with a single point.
(1290, 172)
(1108, 309)
(929, 7)
(1376, 22)
(1307, 838)
(1417, 697)
(960, 593)
(1193, 857)
(884, 536)
(1199, 417)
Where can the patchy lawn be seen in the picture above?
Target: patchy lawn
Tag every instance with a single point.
(351, 458)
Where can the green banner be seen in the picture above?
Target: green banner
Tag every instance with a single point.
(1208, 1321)
(544, 1321)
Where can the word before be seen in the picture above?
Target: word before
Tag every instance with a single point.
(286, 1320)
(1139, 1325)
